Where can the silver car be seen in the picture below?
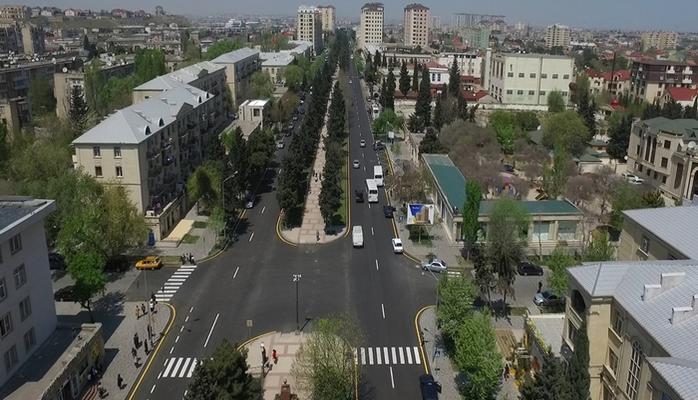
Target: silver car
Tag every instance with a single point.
(434, 265)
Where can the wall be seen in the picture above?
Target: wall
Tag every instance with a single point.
(631, 240)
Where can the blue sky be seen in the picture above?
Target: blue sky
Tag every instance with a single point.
(621, 14)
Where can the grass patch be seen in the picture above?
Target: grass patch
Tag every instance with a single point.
(420, 235)
(190, 239)
(200, 224)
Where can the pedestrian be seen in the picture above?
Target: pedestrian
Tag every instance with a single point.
(134, 352)
(138, 314)
(150, 332)
(540, 286)
(506, 372)
(142, 308)
(152, 307)
(136, 342)
(119, 381)
(317, 236)
(145, 346)
(274, 356)
(264, 353)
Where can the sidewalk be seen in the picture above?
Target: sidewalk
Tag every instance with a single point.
(206, 238)
(286, 345)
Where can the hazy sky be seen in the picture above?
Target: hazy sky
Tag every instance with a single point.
(680, 15)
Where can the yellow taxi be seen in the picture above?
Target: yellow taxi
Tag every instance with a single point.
(150, 262)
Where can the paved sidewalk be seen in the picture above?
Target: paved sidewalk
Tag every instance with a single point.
(439, 364)
(206, 239)
(286, 345)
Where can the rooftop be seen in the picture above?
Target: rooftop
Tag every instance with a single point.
(549, 329)
(448, 178)
(185, 75)
(682, 127)
(543, 207)
(535, 55)
(372, 7)
(235, 56)
(676, 226)
(681, 375)
(276, 59)
(682, 94)
(15, 210)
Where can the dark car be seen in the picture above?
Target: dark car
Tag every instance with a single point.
(56, 261)
(65, 294)
(529, 268)
(548, 299)
(378, 145)
(430, 388)
(509, 168)
(388, 211)
(359, 196)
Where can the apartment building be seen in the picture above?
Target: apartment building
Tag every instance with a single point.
(309, 27)
(275, 65)
(239, 65)
(615, 83)
(32, 39)
(666, 233)
(528, 79)
(328, 15)
(27, 309)
(659, 40)
(476, 37)
(150, 148)
(371, 25)
(416, 25)
(649, 80)
(664, 153)
(557, 36)
(641, 322)
(14, 13)
(469, 64)
(21, 37)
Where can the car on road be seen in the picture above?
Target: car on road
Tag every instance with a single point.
(632, 178)
(529, 268)
(397, 245)
(388, 211)
(434, 265)
(357, 236)
(362, 143)
(65, 294)
(378, 145)
(429, 387)
(249, 200)
(149, 262)
(355, 164)
(280, 144)
(359, 195)
(546, 298)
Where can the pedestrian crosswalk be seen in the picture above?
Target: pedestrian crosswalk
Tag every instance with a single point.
(174, 283)
(403, 355)
(179, 367)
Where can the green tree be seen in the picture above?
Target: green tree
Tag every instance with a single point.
(527, 120)
(422, 113)
(404, 80)
(224, 375)
(691, 112)
(620, 138)
(503, 123)
(555, 174)
(582, 85)
(484, 276)
(41, 96)
(430, 144)
(86, 267)
(221, 47)
(653, 199)
(551, 383)
(122, 227)
(456, 296)
(477, 358)
(4, 149)
(203, 186)
(438, 119)
(415, 76)
(630, 197)
(78, 112)
(261, 86)
(388, 121)
(506, 236)
(600, 248)
(471, 211)
(377, 59)
(672, 110)
(293, 75)
(454, 79)
(578, 370)
(149, 64)
(95, 89)
(390, 91)
(567, 130)
(556, 103)
(237, 167)
(558, 263)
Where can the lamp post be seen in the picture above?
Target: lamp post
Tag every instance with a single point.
(297, 279)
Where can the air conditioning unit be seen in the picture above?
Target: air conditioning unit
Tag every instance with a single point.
(150, 213)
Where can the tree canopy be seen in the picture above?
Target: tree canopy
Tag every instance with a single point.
(567, 130)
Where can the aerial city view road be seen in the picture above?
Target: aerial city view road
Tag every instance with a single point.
(350, 201)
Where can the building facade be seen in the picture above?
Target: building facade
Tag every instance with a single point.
(650, 79)
(27, 309)
(665, 233)
(14, 13)
(416, 25)
(32, 39)
(371, 25)
(469, 64)
(529, 78)
(557, 36)
(664, 153)
(309, 27)
(476, 37)
(239, 65)
(640, 320)
(659, 40)
(328, 15)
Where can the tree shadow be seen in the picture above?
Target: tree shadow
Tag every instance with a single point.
(497, 308)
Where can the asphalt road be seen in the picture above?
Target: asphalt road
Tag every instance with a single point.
(251, 284)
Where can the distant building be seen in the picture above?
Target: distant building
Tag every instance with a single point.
(159, 11)
(239, 65)
(685, 97)
(10, 38)
(438, 73)
(469, 64)
(416, 25)
(33, 39)
(14, 13)
(328, 15)
(665, 233)
(309, 27)
(528, 79)
(275, 65)
(370, 25)
(557, 36)
(650, 79)
(659, 40)
(476, 37)
(21, 37)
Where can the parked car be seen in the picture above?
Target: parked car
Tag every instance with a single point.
(547, 298)
(362, 143)
(388, 211)
(509, 168)
(397, 245)
(378, 145)
(355, 164)
(529, 268)
(434, 265)
(359, 195)
(65, 294)
(280, 144)
(632, 178)
(150, 262)
(249, 200)
(429, 387)
(56, 261)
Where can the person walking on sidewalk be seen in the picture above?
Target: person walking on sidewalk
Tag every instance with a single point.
(119, 381)
(134, 353)
(136, 342)
(142, 308)
(145, 346)
(138, 313)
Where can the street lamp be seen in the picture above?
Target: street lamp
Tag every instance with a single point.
(297, 279)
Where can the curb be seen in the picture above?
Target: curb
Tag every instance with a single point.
(419, 337)
(278, 231)
(253, 338)
(144, 371)
(227, 242)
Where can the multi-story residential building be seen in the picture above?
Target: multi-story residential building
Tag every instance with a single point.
(27, 308)
(309, 27)
(150, 148)
(665, 233)
(528, 79)
(664, 153)
(469, 64)
(275, 65)
(239, 65)
(32, 39)
(650, 79)
(21, 37)
(685, 97)
(64, 82)
(328, 16)
(476, 37)
(416, 25)
(659, 40)
(615, 83)
(640, 320)
(10, 38)
(14, 13)
(557, 36)
(370, 25)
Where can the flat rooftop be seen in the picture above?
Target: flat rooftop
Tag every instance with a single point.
(448, 178)
(15, 210)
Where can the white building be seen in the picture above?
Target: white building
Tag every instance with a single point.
(309, 27)
(371, 25)
(416, 25)
(469, 64)
(659, 40)
(557, 36)
(275, 65)
(328, 15)
(27, 308)
(528, 79)
(240, 65)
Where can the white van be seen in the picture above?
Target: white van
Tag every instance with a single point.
(378, 175)
(372, 189)
(357, 234)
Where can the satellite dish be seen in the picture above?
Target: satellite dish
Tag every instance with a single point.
(65, 69)
(691, 145)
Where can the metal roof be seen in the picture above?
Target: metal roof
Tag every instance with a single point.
(235, 56)
(14, 210)
(676, 226)
(688, 128)
(543, 207)
(184, 75)
(448, 178)
(680, 374)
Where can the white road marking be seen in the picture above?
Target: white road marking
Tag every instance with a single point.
(364, 168)
(392, 379)
(177, 339)
(378, 356)
(191, 309)
(416, 355)
(181, 329)
(160, 374)
(363, 356)
(251, 236)
(369, 205)
(167, 369)
(386, 357)
(186, 391)
(176, 279)
(383, 310)
(263, 208)
(186, 319)
(372, 233)
(182, 273)
(172, 349)
(152, 389)
(402, 355)
(193, 367)
(211, 331)
(394, 354)
(370, 356)
(236, 272)
(376, 265)
(186, 268)
(184, 367)
(409, 355)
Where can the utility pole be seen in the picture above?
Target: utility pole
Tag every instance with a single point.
(297, 279)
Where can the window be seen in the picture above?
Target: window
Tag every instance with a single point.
(542, 92)
(667, 144)
(531, 92)
(98, 171)
(20, 275)
(5, 324)
(510, 74)
(25, 308)
(117, 152)
(640, 167)
(567, 230)
(96, 152)
(618, 322)
(521, 74)
(656, 175)
(11, 358)
(664, 179)
(519, 92)
(645, 244)
(612, 361)
(634, 371)
(665, 162)
(555, 76)
(119, 172)
(29, 340)
(532, 75)
(571, 331)
(543, 76)
(509, 91)
(3, 289)
(541, 230)
(566, 76)
(15, 243)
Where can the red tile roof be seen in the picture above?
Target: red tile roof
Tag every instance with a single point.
(620, 75)
(682, 94)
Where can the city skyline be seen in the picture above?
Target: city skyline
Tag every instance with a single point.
(622, 14)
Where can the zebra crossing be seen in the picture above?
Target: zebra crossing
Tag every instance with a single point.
(179, 367)
(174, 283)
(407, 355)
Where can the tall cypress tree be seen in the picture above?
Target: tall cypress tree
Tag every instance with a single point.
(423, 106)
(383, 94)
(377, 59)
(454, 79)
(578, 370)
(415, 76)
(390, 91)
(78, 112)
(404, 79)
(550, 383)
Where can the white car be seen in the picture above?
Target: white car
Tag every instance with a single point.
(280, 144)
(349, 81)
(355, 164)
(397, 245)
(362, 143)
(435, 265)
(632, 178)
